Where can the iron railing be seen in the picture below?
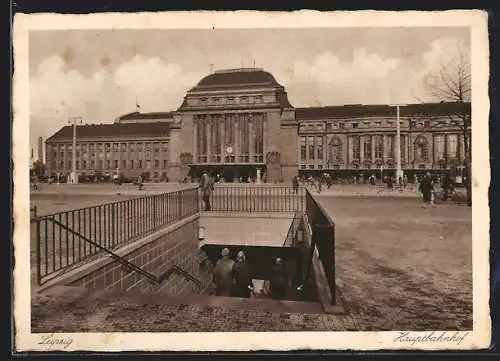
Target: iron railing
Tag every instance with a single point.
(67, 238)
(323, 239)
(256, 198)
(290, 239)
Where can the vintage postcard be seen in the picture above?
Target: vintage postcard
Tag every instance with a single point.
(202, 181)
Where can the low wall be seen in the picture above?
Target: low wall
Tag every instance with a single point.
(176, 244)
(245, 228)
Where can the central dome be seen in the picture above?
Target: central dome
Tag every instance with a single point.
(238, 77)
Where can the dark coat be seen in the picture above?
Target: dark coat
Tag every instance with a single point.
(223, 276)
(242, 280)
(278, 281)
(206, 185)
(425, 188)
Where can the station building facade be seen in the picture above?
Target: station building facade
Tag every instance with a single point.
(240, 125)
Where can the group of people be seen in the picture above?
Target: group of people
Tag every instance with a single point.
(234, 278)
(427, 188)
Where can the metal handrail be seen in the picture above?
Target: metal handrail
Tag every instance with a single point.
(133, 267)
(292, 229)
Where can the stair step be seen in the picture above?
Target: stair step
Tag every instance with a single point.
(135, 297)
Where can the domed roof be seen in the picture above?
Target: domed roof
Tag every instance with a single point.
(238, 77)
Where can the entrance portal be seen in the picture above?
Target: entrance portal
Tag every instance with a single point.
(229, 173)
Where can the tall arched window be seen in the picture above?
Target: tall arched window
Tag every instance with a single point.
(421, 149)
(379, 147)
(335, 154)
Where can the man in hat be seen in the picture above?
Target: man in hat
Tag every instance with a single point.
(207, 187)
(222, 274)
(243, 285)
(426, 188)
(278, 280)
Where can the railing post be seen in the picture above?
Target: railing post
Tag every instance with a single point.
(38, 252)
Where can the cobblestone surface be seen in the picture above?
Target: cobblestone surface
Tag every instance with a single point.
(399, 266)
(76, 311)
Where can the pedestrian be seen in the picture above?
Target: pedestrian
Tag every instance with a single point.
(426, 190)
(295, 183)
(278, 280)
(405, 181)
(207, 187)
(139, 182)
(242, 279)
(320, 183)
(223, 274)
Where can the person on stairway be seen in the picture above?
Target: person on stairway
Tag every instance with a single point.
(223, 274)
(242, 279)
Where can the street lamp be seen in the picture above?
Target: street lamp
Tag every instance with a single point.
(74, 175)
(399, 171)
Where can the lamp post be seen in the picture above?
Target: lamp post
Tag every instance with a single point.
(74, 176)
(399, 171)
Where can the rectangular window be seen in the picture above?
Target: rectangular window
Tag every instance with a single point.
(148, 164)
(157, 163)
(303, 148)
(319, 148)
(452, 145)
(124, 164)
(116, 164)
(139, 163)
(77, 165)
(310, 143)
(341, 125)
(390, 145)
(101, 164)
(92, 164)
(165, 163)
(367, 149)
(131, 164)
(108, 164)
(356, 148)
(155, 174)
(84, 164)
(354, 125)
(439, 147)
(379, 147)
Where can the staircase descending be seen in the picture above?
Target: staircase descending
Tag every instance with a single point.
(76, 309)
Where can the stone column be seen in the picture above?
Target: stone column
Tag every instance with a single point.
(384, 146)
(195, 139)
(236, 120)
(251, 140)
(325, 150)
(374, 138)
(361, 150)
(264, 118)
(258, 176)
(222, 139)
(349, 149)
(209, 139)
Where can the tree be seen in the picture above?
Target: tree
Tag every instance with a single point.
(452, 83)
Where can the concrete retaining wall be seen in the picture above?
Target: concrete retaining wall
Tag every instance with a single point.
(174, 245)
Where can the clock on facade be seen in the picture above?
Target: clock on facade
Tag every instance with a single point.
(229, 150)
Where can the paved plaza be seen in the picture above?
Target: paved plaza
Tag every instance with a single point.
(399, 266)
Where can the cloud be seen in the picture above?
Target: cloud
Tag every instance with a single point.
(330, 79)
(442, 53)
(57, 92)
(159, 86)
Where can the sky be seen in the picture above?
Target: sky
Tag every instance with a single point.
(98, 75)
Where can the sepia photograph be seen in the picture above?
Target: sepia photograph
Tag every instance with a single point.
(320, 179)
